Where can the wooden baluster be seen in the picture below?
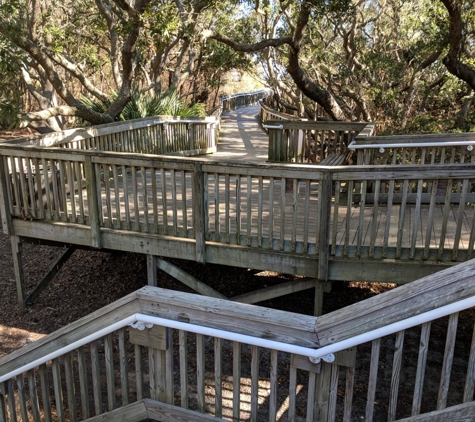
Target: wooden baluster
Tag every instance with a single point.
(430, 220)
(388, 217)
(417, 219)
(445, 218)
(273, 385)
(83, 383)
(237, 381)
(421, 368)
(183, 352)
(460, 219)
(396, 375)
(448, 360)
(373, 376)
(218, 377)
(70, 386)
(375, 217)
(96, 377)
(118, 215)
(135, 194)
(164, 200)
(226, 208)
(124, 372)
(238, 209)
(72, 196)
(109, 365)
(143, 172)
(45, 393)
(184, 211)
(200, 372)
(260, 194)
(401, 222)
(470, 379)
(271, 213)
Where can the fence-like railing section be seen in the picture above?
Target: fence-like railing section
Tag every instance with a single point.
(309, 141)
(445, 148)
(267, 113)
(394, 356)
(243, 100)
(423, 213)
(156, 135)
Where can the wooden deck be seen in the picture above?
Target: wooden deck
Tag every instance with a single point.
(392, 223)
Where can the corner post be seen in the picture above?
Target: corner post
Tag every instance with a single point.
(17, 253)
(199, 212)
(324, 211)
(93, 200)
(5, 211)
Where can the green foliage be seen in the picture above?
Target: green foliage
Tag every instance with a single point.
(148, 105)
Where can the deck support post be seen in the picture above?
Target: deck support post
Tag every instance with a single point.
(152, 278)
(17, 254)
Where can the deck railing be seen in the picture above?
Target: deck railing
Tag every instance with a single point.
(443, 148)
(267, 113)
(416, 213)
(182, 362)
(152, 135)
(243, 99)
(311, 142)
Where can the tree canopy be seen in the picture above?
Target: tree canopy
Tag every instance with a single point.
(407, 64)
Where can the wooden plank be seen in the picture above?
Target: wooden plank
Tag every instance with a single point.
(134, 412)
(124, 372)
(311, 397)
(83, 383)
(5, 199)
(33, 395)
(167, 413)
(93, 203)
(3, 404)
(45, 393)
(149, 337)
(373, 376)
(17, 252)
(21, 393)
(349, 387)
(70, 386)
(138, 371)
(236, 381)
(200, 372)
(96, 377)
(273, 385)
(281, 289)
(448, 360)
(292, 390)
(470, 380)
(188, 279)
(254, 383)
(183, 354)
(58, 390)
(421, 368)
(461, 412)
(199, 213)
(218, 377)
(396, 375)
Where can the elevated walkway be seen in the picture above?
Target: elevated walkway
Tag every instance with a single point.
(123, 187)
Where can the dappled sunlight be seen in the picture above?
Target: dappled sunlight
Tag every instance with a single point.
(12, 338)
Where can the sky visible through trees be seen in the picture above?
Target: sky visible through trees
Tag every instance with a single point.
(408, 65)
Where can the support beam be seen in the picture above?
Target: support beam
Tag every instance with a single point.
(188, 279)
(152, 278)
(281, 289)
(17, 254)
(54, 269)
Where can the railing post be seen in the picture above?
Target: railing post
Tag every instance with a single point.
(199, 212)
(324, 212)
(93, 202)
(5, 212)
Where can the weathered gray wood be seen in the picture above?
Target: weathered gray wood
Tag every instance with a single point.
(169, 373)
(70, 386)
(93, 202)
(236, 381)
(470, 380)
(254, 383)
(83, 383)
(157, 376)
(58, 390)
(349, 387)
(45, 393)
(17, 251)
(241, 318)
(183, 353)
(397, 363)
(134, 412)
(461, 412)
(292, 390)
(448, 360)
(373, 376)
(152, 278)
(20, 382)
(421, 368)
(188, 279)
(109, 366)
(200, 372)
(149, 337)
(138, 371)
(311, 397)
(273, 385)
(124, 372)
(167, 413)
(5, 200)
(3, 404)
(33, 395)
(96, 377)
(53, 270)
(271, 292)
(436, 290)
(218, 377)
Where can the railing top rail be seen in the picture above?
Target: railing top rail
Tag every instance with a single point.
(273, 112)
(311, 124)
(243, 94)
(435, 138)
(427, 144)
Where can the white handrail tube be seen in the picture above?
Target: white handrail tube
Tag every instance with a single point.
(354, 146)
(256, 341)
